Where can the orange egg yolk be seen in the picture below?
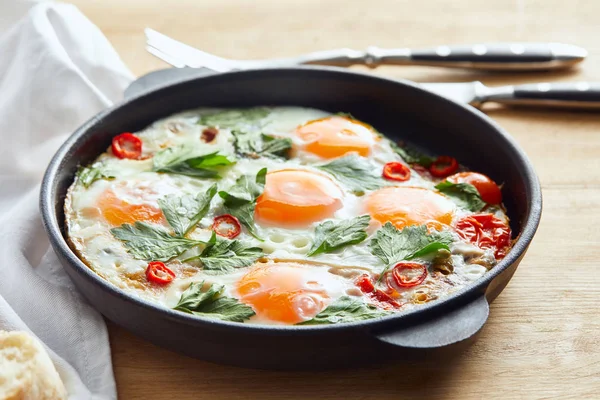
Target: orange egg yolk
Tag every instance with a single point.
(335, 136)
(404, 206)
(118, 212)
(287, 293)
(297, 198)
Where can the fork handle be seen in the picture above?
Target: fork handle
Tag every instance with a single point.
(491, 57)
(579, 95)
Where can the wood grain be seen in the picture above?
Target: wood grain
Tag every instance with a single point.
(543, 337)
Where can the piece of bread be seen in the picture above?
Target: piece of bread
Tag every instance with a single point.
(26, 371)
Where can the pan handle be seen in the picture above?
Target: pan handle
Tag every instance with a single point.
(456, 326)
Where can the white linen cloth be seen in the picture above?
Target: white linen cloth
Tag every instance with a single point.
(56, 71)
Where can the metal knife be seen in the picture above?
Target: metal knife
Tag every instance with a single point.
(484, 56)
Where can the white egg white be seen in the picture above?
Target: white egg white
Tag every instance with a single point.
(135, 183)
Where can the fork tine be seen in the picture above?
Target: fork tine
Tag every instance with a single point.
(165, 57)
(186, 54)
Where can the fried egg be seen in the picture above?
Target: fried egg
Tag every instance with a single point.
(288, 292)
(406, 206)
(297, 198)
(336, 136)
(285, 285)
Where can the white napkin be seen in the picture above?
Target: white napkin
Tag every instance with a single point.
(56, 71)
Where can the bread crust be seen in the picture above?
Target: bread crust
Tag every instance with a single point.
(26, 371)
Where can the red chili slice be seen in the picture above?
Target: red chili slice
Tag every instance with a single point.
(379, 297)
(385, 300)
(158, 272)
(443, 166)
(403, 280)
(127, 145)
(364, 284)
(396, 171)
(486, 231)
(227, 225)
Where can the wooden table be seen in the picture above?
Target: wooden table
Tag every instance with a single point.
(543, 337)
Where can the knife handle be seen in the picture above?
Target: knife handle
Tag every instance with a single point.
(582, 95)
(491, 56)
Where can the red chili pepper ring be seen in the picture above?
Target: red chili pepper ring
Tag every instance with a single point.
(409, 274)
(227, 225)
(127, 145)
(396, 171)
(443, 166)
(158, 272)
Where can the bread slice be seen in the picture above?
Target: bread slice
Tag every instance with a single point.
(26, 371)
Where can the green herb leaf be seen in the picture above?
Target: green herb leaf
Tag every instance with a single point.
(224, 255)
(182, 160)
(184, 213)
(354, 172)
(212, 160)
(88, 175)
(430, 248)
(243, 118)
(245, 214)
(330, 235)
(226, 309)
(173, 155)
(151, 242)
(346, 309)
(463, 194)
(345, 115)
(392, 245)
(412, 156)
(240, 199)
(258, 144)
(194, 297)
(211, 304)
(245, 190)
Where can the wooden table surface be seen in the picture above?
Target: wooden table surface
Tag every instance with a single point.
(543, 336)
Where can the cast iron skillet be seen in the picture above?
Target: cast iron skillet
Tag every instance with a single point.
(401, 111)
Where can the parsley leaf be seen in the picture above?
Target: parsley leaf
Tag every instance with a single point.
(182, 160)
(240, 200)
(242, 118)
(463, 194)
(345, 115)
(211, 304)
(151, 242)
(194, 296)
(392, 245)
(258, 144)
(88, 175)
(330, 235)
(346, 309)
(412, 156)
(224, 255)
(183, 213)
(355, 173)
(226, 309)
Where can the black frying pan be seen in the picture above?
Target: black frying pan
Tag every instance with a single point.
(401, 111)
